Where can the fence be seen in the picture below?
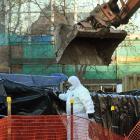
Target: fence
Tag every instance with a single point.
(53, 127)
(135, 133)
(33, 128)
(131, 82)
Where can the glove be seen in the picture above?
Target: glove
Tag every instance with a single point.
(91, 116)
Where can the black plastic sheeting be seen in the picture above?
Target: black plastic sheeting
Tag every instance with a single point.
(29, 100)
(43, 101)
(117, 112)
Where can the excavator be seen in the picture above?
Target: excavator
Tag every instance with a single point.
(93, 40)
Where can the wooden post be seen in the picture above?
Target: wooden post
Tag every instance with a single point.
(131, 82)
(123, 82)
(126, 83)
(130, 86)
(138, 81)
(135, 82)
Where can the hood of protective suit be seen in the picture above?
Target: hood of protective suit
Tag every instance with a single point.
(74, 81)
(83, 103)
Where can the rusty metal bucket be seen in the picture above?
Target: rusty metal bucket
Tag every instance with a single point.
(90, 47)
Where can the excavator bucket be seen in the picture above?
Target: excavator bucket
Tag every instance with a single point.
(90, 47)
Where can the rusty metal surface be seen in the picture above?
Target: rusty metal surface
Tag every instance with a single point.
(93, 41)
(128, 10)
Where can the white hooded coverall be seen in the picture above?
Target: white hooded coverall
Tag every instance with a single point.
(83, 104)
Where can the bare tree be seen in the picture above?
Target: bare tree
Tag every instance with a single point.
(62, 15)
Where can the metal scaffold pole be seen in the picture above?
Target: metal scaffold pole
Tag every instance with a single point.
(75, 12)
(29, 21)
(52, 3)
(7, 4)
(52, 15)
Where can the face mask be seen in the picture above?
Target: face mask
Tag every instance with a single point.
(64, 86)
(67, 85)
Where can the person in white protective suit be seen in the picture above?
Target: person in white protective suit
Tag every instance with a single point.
(83, 107)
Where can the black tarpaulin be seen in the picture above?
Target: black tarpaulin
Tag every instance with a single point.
(29, 100)
(118, 112)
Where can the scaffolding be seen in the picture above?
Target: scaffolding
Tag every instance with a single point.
(28, 44)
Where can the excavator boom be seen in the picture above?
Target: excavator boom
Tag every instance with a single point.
(128, 10)
(92, 41)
